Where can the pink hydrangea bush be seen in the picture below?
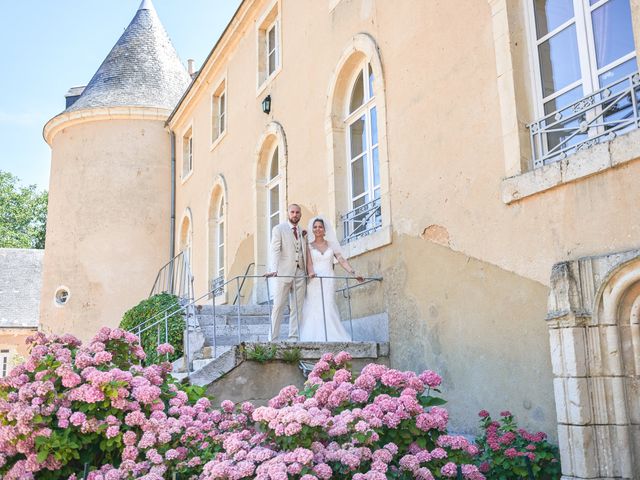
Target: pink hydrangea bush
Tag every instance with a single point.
(511, 452)
(382, 424)
(71, 404)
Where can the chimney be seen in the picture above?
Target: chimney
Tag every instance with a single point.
(190, 66)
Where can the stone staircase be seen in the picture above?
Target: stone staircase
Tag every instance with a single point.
(253, 324)
(218, 340)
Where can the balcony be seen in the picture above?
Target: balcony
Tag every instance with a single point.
(362, 221)
(595, 118)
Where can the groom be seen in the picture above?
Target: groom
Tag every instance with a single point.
(288, 260)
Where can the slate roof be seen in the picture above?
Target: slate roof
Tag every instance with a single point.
(20, 284)
(142, 70)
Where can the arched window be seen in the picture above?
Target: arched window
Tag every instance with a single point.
(186, 233)
(271, 197)
(184, 273)
(273, 192)
(363, 155)
(217, 239)
(357, 148)
(220, 240)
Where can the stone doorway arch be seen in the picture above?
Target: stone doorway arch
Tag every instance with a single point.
(594, 326)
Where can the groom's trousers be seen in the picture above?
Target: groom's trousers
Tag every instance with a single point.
(295, 289)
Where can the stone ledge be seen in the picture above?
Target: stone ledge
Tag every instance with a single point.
(579, 165)
(367, 243)
(231, 359)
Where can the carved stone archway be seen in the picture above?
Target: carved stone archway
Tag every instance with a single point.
(594, 325)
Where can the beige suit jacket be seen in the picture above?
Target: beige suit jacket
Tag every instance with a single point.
(283, 250)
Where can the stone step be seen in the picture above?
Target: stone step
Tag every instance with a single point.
(208, 320)
(229, 335)
(230, 330)
(233, 310)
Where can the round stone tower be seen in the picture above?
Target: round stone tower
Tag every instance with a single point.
(110, 188)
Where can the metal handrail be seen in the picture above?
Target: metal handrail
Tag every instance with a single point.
(160, 320)
(591, 112)
(173, 276)
(244, 278)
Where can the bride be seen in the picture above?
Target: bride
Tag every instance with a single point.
(318, 324)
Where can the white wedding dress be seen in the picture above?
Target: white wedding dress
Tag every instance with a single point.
(313, 318)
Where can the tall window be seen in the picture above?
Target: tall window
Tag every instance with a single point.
(273, 189)
(269, 44)
(582, 46)
(4, 363)
(363, 156)
(187, 153)
(272, 48)
(220, 240)
(218, 112)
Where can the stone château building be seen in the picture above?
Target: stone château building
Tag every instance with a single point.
(480, 156)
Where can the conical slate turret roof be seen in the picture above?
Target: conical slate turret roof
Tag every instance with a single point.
(142, 69)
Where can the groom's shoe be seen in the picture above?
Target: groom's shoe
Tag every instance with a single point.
(291, 339)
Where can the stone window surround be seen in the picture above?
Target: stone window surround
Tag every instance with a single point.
(218, 189)
(187, 133)
(515, 80)
(215, 96)
(271, 15)
(361, 47)
(333, 4)
(273, 135)
(58, 303)
(185, 235)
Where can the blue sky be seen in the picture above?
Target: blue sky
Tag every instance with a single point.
(48, 46)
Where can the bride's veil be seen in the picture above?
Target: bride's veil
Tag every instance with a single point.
(329, 233)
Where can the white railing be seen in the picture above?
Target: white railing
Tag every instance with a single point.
(598, 117)
(362, 221)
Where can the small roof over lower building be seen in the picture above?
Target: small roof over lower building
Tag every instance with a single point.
(20, 285)
(142, 70)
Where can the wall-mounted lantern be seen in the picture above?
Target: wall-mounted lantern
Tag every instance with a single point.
(266, 104)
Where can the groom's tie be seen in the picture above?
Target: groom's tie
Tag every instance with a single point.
(295, 232)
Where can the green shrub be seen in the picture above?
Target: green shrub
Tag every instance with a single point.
(145, 310)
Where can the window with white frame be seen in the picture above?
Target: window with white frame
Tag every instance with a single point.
(220, 240)
(272, 48)
(363, 157)
(4, 362)
(218, 112)
(273, 192)
(187, 153)
(269, 48)
(586, 69)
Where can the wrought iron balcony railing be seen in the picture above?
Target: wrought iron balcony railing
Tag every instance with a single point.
(362, 221)
(216, 286)
(596, 118)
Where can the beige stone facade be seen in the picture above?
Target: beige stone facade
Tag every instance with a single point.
(468, 230)
(108, 219)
